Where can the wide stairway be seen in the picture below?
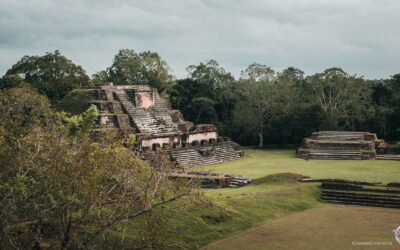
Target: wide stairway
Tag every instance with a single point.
(193, 157)
(153, 120)
(393, 157)
(336, 155)
(341, 137)
(357, 194)
(239, 181)
(123, 121)
(339, 145)
(352, 198)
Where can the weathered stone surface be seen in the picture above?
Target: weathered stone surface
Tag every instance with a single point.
(341, 145)
(210, 179)
(158, 128)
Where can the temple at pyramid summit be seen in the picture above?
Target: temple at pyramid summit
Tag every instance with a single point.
(139, 109)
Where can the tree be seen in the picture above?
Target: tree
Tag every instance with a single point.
(258, 73)
(52, 74)
(292, 122)
(210, 72)
(204, 109)
(202, 97)
(195, 99)
(129, 67)
(257, 99)
(222, 84)
(12, 81)
(62, 188)
(385, 110)
(394, 101)
(22, 110)
(342, 98)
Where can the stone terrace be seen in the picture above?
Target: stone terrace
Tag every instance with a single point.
(139, 109)
(340, 145)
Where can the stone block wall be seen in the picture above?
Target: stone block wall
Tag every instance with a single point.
(159, 129)
(344, 145)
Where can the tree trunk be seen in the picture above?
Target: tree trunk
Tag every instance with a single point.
(65, 240)
(261, 139)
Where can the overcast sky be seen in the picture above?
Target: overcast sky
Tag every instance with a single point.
(361, 36)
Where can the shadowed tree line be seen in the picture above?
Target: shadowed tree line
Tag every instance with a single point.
(262, 107)
(268, 107)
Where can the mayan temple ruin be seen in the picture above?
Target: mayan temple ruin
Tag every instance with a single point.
(345, 145)
(159, 129)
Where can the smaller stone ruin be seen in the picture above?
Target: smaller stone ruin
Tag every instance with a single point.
(360, 193)
(212, 180)
(340, 145)
(389, 152)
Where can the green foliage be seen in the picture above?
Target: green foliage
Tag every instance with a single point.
(258, 73)
(209, 72)
(195, 99)
(22, 109)
(343, 99)
(289, 104)
(201, 97)
(129, 67)
(52, 74)
(63, 190)
(83, 122)
(12, 81)
(385, 118)
(281, 108)
(257, 102)
(76, 101)
(131, 140)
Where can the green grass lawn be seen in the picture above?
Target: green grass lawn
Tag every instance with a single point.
(221, 213)
(327, 227)
(227, 211)
(195, 222)
(259, 163)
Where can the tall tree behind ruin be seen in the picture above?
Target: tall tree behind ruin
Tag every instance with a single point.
(201, 96)
(385, 109)
(292, 121)
(210, 72)
(257, 100)
(129, 67)
(394, 119)
(52, 74)
(342, 98)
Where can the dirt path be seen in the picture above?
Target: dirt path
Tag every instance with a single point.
(327, 227)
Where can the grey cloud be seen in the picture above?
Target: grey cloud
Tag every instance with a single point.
(360, 36)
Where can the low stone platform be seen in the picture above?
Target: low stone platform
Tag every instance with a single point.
(207, 155)
(359, 193)
(340, 145)
(211, 180)
(393, 157)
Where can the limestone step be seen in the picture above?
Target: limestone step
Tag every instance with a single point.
(150, 120)
(365, 198)
(388, 157)
(191, 157)
(362, 203)
(361, 199)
